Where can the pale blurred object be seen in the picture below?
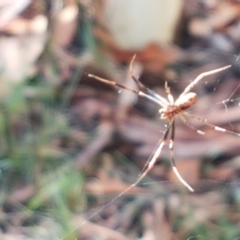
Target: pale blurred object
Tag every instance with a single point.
(23, 39)
(66, 25)
(134, 24)
(18, 55)
(27, 36)
(21, 26)
(9, 9)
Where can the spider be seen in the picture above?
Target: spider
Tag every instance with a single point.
(169, 110)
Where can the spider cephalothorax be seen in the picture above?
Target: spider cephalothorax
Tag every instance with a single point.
(179, 106)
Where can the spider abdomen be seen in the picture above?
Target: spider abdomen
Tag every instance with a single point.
(186, 101)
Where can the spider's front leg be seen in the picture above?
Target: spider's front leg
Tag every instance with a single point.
(170, 96)
(200, 77)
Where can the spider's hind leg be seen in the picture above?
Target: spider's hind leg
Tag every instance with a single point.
(216, 128)
(182, 117)
(174, 168)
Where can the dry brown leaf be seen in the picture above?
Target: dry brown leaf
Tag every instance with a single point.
(156, 224)
(207, 207)
(104, 134)
(224, 13)
(88, 229)
(153, 57)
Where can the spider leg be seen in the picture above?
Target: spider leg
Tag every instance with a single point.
(200, 77)
(156, 148)
(171, 145)
(182, 117)
(152, 160)
(204, 121)
(168, 91)
(142, 86)
(148, 166)
(139, 93)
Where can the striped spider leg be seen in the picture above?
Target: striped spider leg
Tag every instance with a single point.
(169, 110)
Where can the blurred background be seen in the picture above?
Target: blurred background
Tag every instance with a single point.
(69, 144)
